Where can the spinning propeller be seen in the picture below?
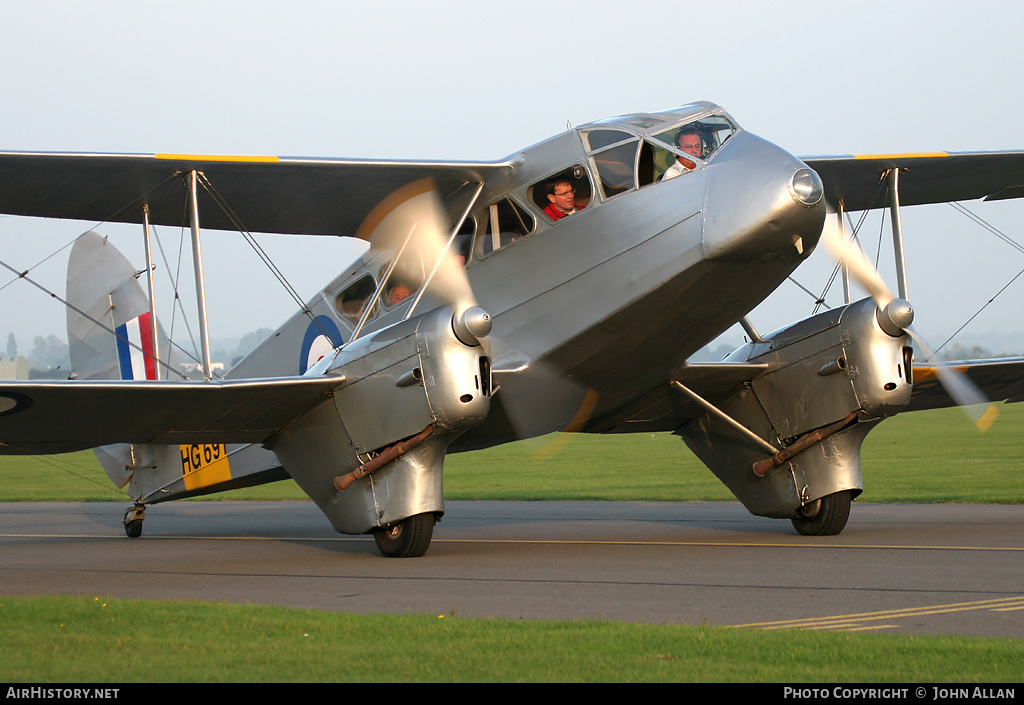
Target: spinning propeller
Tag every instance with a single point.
(411, 221)
(895, 317)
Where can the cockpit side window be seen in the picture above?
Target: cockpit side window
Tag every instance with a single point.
(616, 168)
(613, 155)
(501, 224)
(598, 139)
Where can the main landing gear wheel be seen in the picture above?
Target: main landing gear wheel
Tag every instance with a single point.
(408, 538)
(824, 517)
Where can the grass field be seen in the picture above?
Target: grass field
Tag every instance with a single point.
(934, 456)
(96, 640)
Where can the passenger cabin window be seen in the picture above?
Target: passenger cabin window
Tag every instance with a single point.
(405, 278)
(352, 300)
(563, 194)
(464, 241)
(501, 224)
(398, 291)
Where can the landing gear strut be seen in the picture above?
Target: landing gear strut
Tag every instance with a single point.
(824, 517)
(408, 538)
(133, 520)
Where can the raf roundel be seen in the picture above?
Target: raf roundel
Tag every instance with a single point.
(12, 403)
(322, 336)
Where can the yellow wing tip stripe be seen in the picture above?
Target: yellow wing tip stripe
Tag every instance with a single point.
(217, 158)
(988, 418)
(911, 155)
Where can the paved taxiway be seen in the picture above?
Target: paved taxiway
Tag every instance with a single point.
(896, 568)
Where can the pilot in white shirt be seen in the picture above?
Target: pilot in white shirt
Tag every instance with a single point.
(688, 140)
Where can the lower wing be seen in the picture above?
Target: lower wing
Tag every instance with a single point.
(999, 379)
(39, 417)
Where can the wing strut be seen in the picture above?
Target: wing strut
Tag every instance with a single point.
(152, 291)
(712, 409)
(447, 248)
(197, 258)
(897, 233)
(369, 307)
(847, 292)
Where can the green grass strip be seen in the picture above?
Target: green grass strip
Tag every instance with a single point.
(100, 640)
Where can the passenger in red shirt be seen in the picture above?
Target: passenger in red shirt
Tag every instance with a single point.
(561, 198)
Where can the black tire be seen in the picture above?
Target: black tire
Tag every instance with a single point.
(408, 538)
(133, 529)
(824, 517)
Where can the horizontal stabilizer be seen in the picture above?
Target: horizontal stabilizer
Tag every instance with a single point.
(38, 417)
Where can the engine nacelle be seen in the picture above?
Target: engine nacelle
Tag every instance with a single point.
(837, 366)
(399, 381)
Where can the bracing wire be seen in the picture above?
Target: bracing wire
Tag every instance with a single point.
(978, 312)
(820, 300)
(23, 275)
(978, 220)
(66, 466)
(261, 253)
(1002, 236)
(80, 312)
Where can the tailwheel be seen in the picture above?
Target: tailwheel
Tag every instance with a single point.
(133, 521)
(408, 538)
(826, 516)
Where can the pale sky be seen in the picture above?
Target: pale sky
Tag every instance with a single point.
(481, 80)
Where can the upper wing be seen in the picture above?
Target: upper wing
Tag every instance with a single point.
(264, 194)
(939, 177)
(57, 416)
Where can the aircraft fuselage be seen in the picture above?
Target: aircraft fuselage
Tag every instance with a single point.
(603, 304)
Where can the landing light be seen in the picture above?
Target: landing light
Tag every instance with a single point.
(806, 187)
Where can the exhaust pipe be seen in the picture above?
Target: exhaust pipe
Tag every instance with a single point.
(381, 459)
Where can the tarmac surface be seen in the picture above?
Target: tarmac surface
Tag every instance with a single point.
(912, 569)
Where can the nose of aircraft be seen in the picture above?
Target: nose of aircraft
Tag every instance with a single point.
(760, 202)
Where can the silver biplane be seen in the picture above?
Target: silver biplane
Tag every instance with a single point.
(563, 288)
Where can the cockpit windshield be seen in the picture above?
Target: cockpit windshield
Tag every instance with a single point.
(634, 151)
(707, 134)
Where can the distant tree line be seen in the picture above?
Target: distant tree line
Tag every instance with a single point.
(50, 358)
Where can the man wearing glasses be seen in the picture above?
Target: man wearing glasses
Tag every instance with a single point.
(561, 198)
(688, 140)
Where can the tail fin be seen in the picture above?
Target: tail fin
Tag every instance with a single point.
(105, 295)
(110, 332)
(110, 337)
